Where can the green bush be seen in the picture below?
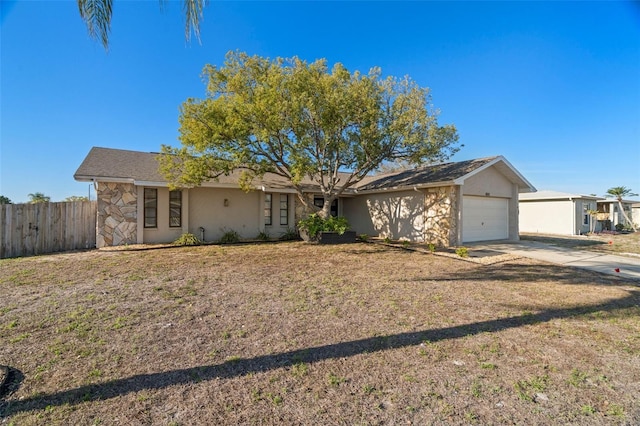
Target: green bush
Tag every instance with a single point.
(187, 240)
(462, 252)
(290, 235)
(263, 236)
(363, 237)
(314, 224)
(229, 237)
(619, 227)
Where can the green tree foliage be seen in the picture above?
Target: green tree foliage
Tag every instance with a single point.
(77, 198)
(301, 120)
(97, 16)
(620, 192)
(39, 197)
(4, 200)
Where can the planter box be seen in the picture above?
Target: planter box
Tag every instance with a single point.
(335, 238)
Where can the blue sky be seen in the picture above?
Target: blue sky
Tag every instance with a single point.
(552, 86)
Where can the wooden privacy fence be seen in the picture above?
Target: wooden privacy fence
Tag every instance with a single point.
(28, 229)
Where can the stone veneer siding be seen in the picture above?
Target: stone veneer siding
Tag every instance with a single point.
(117, 214)
(301, 211)
(441, 216)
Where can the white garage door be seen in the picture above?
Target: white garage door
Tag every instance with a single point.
(484, 219)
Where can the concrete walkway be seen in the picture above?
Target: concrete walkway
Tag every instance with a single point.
(626, 267)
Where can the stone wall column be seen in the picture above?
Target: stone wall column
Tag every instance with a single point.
(117, 214)
(441, 215)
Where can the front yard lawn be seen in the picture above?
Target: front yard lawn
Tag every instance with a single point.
(292, 333)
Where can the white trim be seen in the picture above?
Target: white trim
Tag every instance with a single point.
(529, 187)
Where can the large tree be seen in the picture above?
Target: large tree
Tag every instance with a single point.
(620, 192)
(4, 200)
(97, 16)
(301, 120)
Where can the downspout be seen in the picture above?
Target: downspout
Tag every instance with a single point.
(573, 216)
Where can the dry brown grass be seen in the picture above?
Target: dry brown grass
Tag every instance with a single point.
(292, 333)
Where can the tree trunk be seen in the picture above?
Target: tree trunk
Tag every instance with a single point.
(326, 209)
(624, 214)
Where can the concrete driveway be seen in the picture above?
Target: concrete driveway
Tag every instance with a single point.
(626, 267)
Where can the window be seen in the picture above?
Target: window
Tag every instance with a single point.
(267, 209)
(319, 202)
(175, 209)
(284, 209)
(150, 208)
(586, 214)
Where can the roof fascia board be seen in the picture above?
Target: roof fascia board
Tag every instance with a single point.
(527, 185)
(406, 187)
(103, 179)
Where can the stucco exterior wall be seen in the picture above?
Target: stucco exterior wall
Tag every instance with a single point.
(547, 217)
(276, 229)
(488, 183)
(163, 233)
(117, 214)
(395, 215)
(242, 213)
(442, 216)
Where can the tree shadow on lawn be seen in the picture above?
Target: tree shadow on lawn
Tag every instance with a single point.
(520, 272)
(260, 364)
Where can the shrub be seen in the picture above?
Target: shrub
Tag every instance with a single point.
(363, 237)
(187, 240)
(263, 236)
(432, 247)
(229, 237)
(290, 235)
(462, 252)
(619, 227)
(314, 224)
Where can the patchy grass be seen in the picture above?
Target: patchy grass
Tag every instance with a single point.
(292, 333)
(624, 244)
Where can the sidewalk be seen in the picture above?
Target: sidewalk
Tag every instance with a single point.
(628, 267)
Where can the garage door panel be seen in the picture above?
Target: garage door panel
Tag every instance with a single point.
(484, 219)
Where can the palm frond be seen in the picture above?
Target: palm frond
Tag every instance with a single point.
(97, 16)
(193, 11)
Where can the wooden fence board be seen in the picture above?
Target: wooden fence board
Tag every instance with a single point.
(28, 229)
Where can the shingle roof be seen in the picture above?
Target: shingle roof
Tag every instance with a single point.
(119, 164)
(107, 164)
(446, 172)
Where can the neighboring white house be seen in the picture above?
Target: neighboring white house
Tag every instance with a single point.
(635, 213)
(551, 212)
(609, 214)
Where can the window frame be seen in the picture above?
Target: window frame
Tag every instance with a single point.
(150, 204)
(268, 210)
(318, 201)
(172, 200)
(284, 209)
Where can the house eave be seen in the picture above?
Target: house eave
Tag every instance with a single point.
(506, 169)
(400, 188)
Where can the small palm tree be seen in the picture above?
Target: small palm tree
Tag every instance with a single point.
(77, 198)
(39, 197)
(620, 192)
(97, 15)
(594, 220)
